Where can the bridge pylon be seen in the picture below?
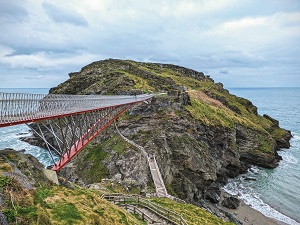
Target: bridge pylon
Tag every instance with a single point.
(71, 133)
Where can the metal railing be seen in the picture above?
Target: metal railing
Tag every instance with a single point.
(16, 108)
(160, 211)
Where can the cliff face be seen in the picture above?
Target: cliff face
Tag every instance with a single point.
(199, 132)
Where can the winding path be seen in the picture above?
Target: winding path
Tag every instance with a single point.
(160, 188)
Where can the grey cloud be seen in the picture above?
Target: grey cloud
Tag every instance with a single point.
(61, 15)
(224, 71)
(11, 11)
(27, 50)
(34, 77)
(147, 32)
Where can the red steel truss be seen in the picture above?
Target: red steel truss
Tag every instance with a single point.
(65, 122)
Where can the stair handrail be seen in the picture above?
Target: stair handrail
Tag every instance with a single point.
(155, 208)
(152, 157)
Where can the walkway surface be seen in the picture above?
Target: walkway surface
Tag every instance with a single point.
(18, 108)
(160, 187)
(66, 123)
(156, 176)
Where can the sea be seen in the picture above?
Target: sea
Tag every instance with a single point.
(273, 192)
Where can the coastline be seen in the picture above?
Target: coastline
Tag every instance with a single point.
(247, 215)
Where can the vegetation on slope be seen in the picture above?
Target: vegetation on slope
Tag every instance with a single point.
(28, 197)
(90, 163)
(192, 214)
(210, 107)
(60, 205)
(210, 102)
(46, 203)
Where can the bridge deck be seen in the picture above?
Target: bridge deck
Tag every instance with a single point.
(71, 120)
(18, 108)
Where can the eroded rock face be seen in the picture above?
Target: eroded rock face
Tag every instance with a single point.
(17, 165)
(194, 157)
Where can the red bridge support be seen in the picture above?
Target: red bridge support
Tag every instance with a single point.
(66, 123)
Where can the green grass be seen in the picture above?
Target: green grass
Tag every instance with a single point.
(41, 194)
(266, 143)
(192, 214)
(4, 181)
(95, 170)
(215, 116)
(29, 213)
(244, 112)
(142, 222)
(63, 206)
(66, 212)
(139, 82)
(127, 116)
(278, 133)
(94, 154)
(84, 206)
(117, 144)
(10, 215)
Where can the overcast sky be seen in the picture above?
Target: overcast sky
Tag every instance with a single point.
(241, 43)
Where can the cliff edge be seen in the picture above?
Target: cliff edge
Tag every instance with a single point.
(200, 133)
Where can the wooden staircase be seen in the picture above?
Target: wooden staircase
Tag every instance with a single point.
(150, 212)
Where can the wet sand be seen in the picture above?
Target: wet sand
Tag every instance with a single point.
(247, 215)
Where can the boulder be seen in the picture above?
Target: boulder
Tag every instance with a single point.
(231, 202)
(213, 196)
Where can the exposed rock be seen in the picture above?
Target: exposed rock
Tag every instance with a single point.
(213, 196)
(3, 220)
(284, 141)
(195, 154)
(28, 165)
(231, 202)
(275, 123)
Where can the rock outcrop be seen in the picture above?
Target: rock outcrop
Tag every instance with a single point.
(200, 134)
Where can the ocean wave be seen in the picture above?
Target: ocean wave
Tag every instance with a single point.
(254, 170)
(10, 139)
(288, 158)
(244, 192)
(296, 138)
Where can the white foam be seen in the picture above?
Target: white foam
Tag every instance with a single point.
(247, 194)
(288, 158)
(296, 137)
(9, 138)
(253, 170)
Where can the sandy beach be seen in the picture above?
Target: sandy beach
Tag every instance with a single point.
(247, 215)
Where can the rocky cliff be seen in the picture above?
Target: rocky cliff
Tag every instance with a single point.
(200, 133)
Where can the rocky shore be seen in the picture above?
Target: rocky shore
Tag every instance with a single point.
(245, 215)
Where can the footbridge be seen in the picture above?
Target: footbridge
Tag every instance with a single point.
(71, 121)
